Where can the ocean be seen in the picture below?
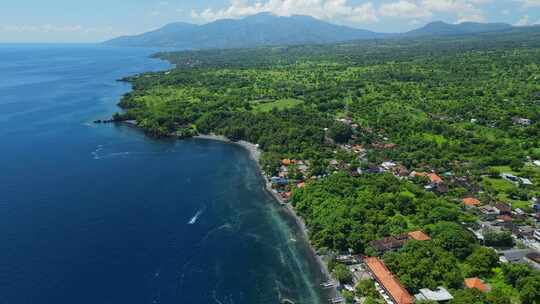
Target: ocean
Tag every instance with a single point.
(103, 214)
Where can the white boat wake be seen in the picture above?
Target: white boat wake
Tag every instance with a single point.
(195, 218)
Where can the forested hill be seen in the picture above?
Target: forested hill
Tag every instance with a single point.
(256, 30)
(266, 29)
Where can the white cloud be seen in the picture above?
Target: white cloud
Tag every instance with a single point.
(526, 21)
(335, 10)
(471, 18)
(405, 9)
(463, 10)
(530, 3)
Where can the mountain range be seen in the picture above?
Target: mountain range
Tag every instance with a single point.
(268, 29)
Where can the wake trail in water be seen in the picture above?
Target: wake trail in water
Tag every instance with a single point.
(195, 218)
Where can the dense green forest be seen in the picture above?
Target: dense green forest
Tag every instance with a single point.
(468, 107)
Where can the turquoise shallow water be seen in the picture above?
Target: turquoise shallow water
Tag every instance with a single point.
(103, 214)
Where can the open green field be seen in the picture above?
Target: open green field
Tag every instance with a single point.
(280, 104)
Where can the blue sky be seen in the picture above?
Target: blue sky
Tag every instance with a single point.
(98, 20)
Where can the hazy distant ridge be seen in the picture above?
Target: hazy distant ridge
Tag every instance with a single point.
(267, 29)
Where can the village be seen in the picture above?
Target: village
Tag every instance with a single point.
(513, 231)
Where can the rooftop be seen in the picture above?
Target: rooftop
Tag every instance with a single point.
(419, 236)
(534, 256)
(391, 284)
(471, 201)
(434, 178)
(439, 295)
(476, 283)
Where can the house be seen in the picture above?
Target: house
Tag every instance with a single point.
(418, 236)
(504, 219)
(441, 188)
(513, 255)
(434, 178)
(279, 181)
(523, 232)
(391, 285)
(388, 165)
(536, 204)
(537, 234)
(521, 121)
(286, 195)
(471, 202)
(476, 283)
(286, 162)
(489, 213)
(504, 209)
(389, 243)
(510, 177)
(536, 163)
(440, 295)
(395, 242)
(401, 171)
(533, 259)
(525, 181)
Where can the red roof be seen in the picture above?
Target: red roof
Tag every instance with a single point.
(391, 284)
(419, 235)
(471, 201)
(434, 178)
(476, 283)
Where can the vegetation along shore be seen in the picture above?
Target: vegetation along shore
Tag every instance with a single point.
(414, 164)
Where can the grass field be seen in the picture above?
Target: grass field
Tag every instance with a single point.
(498, 184)
(280, 104)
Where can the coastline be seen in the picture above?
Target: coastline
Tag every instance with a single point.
(255, 153)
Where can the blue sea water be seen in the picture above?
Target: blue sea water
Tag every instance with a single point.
(103, 214)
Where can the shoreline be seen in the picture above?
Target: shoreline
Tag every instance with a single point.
(255, 153)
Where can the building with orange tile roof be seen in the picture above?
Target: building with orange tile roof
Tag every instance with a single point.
(389, 283)
(476, 283)
(419, 235)
(286, 162)
(434, 178)
(471, 202)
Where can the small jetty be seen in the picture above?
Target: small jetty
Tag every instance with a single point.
(329, 284)
(337, 300)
